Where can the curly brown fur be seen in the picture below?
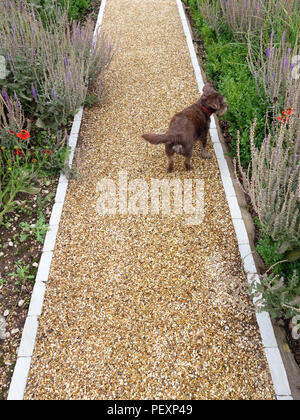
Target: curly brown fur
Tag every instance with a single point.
(188, 125)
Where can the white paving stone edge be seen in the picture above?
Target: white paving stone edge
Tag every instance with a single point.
(276, 366)
(25, 352)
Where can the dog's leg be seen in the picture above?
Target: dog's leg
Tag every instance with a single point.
(187, 163)
(188, 154)
(205, 154)
(170, 163)
(170, 155)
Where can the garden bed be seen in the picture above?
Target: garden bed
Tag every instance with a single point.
(266, 247)
(21, 245)
(24, 227)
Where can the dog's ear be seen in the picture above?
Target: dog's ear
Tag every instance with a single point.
(213, 101)
(208, 88)
(207, 91)
(207, 85)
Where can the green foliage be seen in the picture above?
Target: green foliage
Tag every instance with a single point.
(46, 8)
(269, 250)
(279, 295)
(16, 176)
(21, 273)
(20, 79)
(27, 160)
(280, 290)
(226, 63)
(39, 230)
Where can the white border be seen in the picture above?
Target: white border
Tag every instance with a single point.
(277, 369)
(25, 352)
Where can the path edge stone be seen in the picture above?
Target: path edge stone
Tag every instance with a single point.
(21, 370)
(277, 369)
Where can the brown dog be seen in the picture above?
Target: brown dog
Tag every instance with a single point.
(188, 125)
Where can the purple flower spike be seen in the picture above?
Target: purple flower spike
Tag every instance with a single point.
(18, 102)
(66, 61)
(285, 62)
(54, 95)
(34, 93)
(5, 95)
(6, 98)
(269, 52)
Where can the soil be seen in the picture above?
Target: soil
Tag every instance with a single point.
(15, 291)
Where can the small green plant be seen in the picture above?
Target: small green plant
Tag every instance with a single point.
(22, 273)
(25, 231)
(15, 179)
(40, 229)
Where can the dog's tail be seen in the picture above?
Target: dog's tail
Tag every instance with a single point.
(161, 138)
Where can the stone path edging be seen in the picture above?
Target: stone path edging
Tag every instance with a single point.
(277, 369)
(25, 352)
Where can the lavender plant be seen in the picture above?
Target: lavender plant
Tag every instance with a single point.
(243, 16)
(62, 59)
(273, 69)
(11, 114)
(272, 182)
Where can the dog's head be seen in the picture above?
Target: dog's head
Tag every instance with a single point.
(213, 99)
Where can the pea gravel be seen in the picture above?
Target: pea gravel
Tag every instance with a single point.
(145, 307)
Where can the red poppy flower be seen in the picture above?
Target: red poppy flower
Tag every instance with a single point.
(285, 115)
(282, 119)
(24, 135)
(19, 152)
(290, 110)
(48, 152)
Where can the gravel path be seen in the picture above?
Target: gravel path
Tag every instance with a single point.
(145, 307)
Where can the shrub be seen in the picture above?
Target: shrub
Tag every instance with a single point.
(22, 157)
(254, 16)
(273, 185)
(277, 295)
(273, 70)
(47, 8)
(50, 67)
